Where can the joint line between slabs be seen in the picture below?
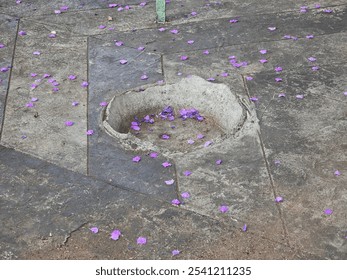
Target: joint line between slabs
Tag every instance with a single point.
(87, 105)
(274, 189)
(9, 81)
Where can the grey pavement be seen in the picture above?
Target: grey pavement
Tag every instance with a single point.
(283, 64)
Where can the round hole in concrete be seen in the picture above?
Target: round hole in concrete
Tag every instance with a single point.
(222, 116)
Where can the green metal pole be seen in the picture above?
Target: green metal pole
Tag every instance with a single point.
(160, 7)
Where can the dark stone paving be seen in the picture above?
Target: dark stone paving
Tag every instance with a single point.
(293, 151)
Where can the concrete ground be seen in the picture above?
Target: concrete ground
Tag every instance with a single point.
(284, 64)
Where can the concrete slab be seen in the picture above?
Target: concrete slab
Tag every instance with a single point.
(43, 125)
(304, 141)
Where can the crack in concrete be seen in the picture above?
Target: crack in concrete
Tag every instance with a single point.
(67, 237)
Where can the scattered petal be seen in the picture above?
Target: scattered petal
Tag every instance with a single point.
(144, 77)
(223, 208)
(337, 173)
(153, 155)
(175, 252)
(112, 5)
(190, 42)
(64, 8)
(219, 162)
(103, 104)
(72, 77)
(36, 53)
(279, 199)
(46, 75)
(142, 4)
(272, 28)
(162, 29)
(345, 93)
(207, 143)
(211, 79)
(282, 95)
(187, 173)
(34, 99)
(94, 230)
(317, 6)
(166, 164)
(141, 240)
(84, 84)
(312, 59)
(115, 234)
(263, 51)
(315, 68)
(206, 52)
(4, 69)
(263, 61)
(174, 31)
(57, 12)
(69, 123)
(191, 141)
(169, 182)
(254, 98)
(118, 43)
(22, 33)
(175, 202)
(200, 136)
(299, 96)
(29, 105)
(123, 61)
(224, 74)
(328, 11)
(185, 195)
(184, 57)
(2, 46)
(310, 36)
(244, 228)
(193, 14)
(136, 159)
(278, 69)
(33, 74)
(233, 21)
(249, 78)
(328, 211)
(75, 103)
(165, 137)
(90, 132)
(278, 80)
(277, 162)
(141, 48)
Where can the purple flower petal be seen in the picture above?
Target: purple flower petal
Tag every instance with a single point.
(345, 93)
(299, 96)
(166, 164)
(33, 74)
(254, 99)
(190, 141)
(4, 69)
(282, 95)
(223, 208)
(120, 9)
(337, 173)
(72, 77)
(233, 21)
(2, 46)
(165, 137)
(174, 31)
(118, 43)
(272, 28)
(317, 6)
(175, 252)
(224, 74)
(57, 12)
(190, 42)
(328, 211)
(244, 228)
(46, 75)
(90, 132)
(142, 4)
(206, 52)
(175, 202)
(184, 57)
(29, 105)
(34, 99)
(52, 35)
(94, 230)
(103, 104)
(219, 162)
(263, 61)
(153, 155)
(211, 79)
(193, 14)
(69, 123)
(64, 8)
(278, 69)
(115, 234)
(75, 103)
(328, 11)
(200, 136)
(162, 29)
(312, 59)
(309, 36)
(315, 68)
(36, 53)
(144, 77)
(263, 51)
(185, 195)
(277, 162)
(187, 173)
(141, 48)
(279, 199)
(169, 182)
(287, 37)
(136, 159)
(22, 33)
(112, 5)
(278, 80)
(55, 89)
(141, 240)
(84, 84)
(249, 78)
(123, 61)
(207, 143)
